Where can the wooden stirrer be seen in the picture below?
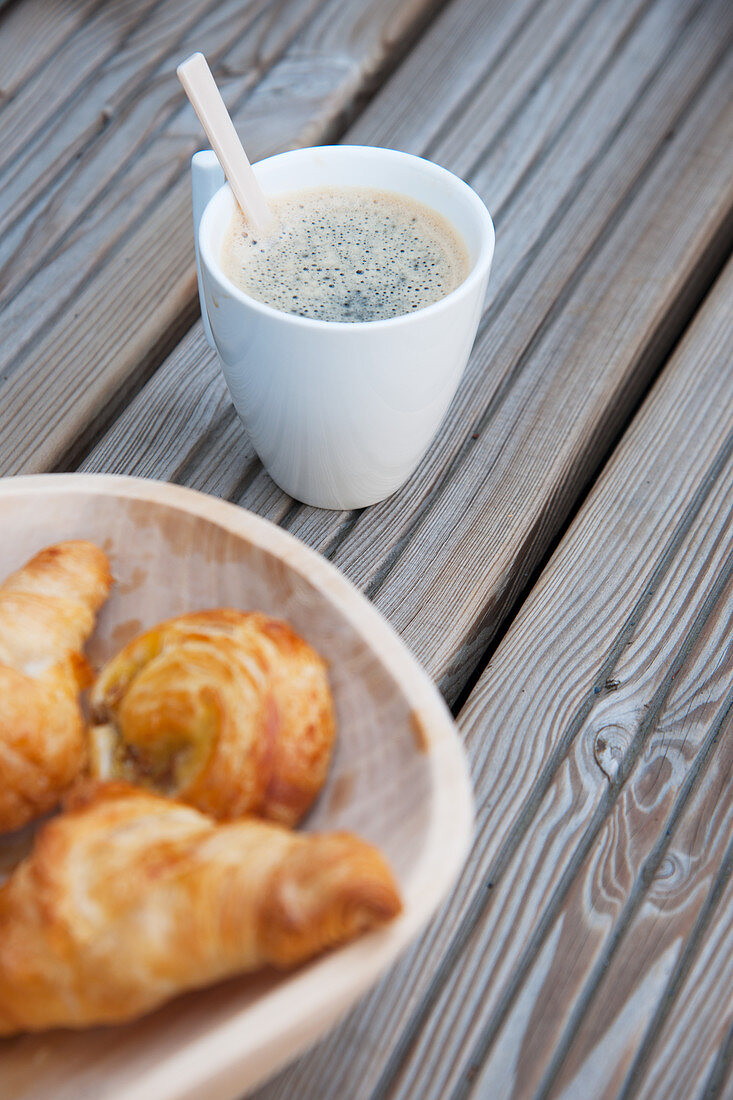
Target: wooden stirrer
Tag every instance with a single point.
(200, 87)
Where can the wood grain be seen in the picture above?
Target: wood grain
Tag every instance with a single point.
(525, 50)
(551, 685)
(271, 119)
(659, 920)
(65, 73)
(117, 128)
(626, 169)
(30, 34)
(600, 135)
(107, 244)
(689, 1034)
(602, 708)
(229, 458)
(567, 273)
(593, 297)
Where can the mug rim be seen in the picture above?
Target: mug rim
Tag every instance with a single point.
(480, 267)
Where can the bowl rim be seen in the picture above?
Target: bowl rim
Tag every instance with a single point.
(257, 1039)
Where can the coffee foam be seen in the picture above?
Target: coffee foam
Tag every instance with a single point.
(347, 254)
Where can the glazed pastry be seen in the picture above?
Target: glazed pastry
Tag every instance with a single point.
(47, 612)
(226, 710)
(128, 899)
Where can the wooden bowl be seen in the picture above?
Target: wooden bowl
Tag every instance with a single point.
(399, 776)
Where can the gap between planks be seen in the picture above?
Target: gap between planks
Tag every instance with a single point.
(675, 339)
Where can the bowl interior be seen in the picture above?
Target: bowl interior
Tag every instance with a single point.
(167, 561)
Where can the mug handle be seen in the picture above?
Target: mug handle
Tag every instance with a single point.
(207, 177)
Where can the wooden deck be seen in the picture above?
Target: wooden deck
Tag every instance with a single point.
(561, 562)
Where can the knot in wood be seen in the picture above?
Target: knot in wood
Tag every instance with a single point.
(673, 885)
(609, 748)
(672, 871)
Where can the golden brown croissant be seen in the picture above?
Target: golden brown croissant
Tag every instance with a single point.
(226, 710)
(47, 612)
(129, 898)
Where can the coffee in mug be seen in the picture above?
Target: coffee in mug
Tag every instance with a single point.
(347, 254)
(341, 413)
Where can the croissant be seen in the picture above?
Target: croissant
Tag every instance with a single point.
(129, 898)
(228, 711)
(47, 612)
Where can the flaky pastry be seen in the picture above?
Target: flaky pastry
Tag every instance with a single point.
(226, 710)
(47, 612)
(128, 898)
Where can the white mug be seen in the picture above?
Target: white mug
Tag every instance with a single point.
(340, 413)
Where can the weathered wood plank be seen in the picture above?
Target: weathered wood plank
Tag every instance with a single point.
(367, 1032)
(66, 73)
(635, 901)
(541, 427)
(584, 311)
(130, 152)
(150, 176)
(126, 130)
(31, 33)
(531, 729)
(364, 1032)
(671, 915)
(624, 659)
(375, 1025)
(527, 49)
(691, 1032)
(125, 261)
